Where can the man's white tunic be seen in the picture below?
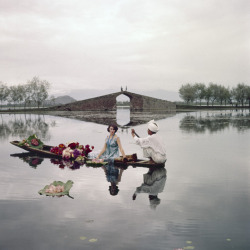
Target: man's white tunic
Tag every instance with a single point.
(153, 147)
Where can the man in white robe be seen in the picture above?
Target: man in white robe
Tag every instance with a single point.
(152, 145)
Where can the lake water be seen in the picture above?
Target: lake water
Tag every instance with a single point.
(204, 198)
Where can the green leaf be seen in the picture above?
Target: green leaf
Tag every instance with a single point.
(92, 240)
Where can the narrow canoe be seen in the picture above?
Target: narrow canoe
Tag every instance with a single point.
(45, 151)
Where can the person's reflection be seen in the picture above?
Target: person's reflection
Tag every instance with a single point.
(153, 184)
(113, 175)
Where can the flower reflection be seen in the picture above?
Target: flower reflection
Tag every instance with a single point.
(71, 164)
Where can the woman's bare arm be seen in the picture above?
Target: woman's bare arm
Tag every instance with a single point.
(120, 147)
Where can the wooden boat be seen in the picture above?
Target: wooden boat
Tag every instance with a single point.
(44, 151)
(132, 159)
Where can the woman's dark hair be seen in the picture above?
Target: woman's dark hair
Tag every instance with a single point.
(113, 191)
(113, 126)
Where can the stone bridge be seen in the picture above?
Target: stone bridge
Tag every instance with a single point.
(108, 103)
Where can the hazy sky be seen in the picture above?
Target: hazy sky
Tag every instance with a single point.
(150, 44)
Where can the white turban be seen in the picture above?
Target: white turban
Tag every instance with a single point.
(152, 126)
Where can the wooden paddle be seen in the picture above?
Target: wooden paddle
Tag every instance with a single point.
(136, 134)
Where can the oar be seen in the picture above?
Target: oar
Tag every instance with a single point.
(136, 134)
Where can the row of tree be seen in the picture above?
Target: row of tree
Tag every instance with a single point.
(34, 92)
(214, 93)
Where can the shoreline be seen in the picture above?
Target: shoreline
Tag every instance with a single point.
(179, 108)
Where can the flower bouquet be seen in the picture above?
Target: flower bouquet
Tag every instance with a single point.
(32, 141)
(72, 150)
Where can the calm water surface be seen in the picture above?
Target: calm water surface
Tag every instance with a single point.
(204, 203)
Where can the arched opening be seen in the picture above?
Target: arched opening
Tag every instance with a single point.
(122, 110)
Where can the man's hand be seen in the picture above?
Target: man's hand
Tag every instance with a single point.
(134, 197)
(133, 132)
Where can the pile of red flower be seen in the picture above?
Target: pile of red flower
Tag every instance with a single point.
(72, 150)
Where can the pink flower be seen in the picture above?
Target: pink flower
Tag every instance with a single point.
(34, 142)
(67, 152)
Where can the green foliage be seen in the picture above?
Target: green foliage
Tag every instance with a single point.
(4, 92)
(34, 91)
(187, 93)
(215, 93)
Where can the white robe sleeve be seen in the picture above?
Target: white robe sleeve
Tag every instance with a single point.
(143, 142)
(151, 141)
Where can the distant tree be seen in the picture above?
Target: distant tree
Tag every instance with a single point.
(240, 93)
(27, 94)
(200, 90)
(13, 96)
(4, 92)
(187, 93)
(20, 93)
(208, 95)
(223, 94)
(248, 95)
(214, 90)
(39, 90)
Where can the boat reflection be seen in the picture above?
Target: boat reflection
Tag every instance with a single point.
(153, 183)
(33, 160)
(30, 158)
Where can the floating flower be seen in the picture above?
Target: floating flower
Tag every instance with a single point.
(97, 160)
(92, 240)
(34, 142)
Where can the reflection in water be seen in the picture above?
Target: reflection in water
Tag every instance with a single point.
(201, 122)
(113, 175)
(25, 125)
(32, 159)
(153, 184)
(62, 163)
(123, 117)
